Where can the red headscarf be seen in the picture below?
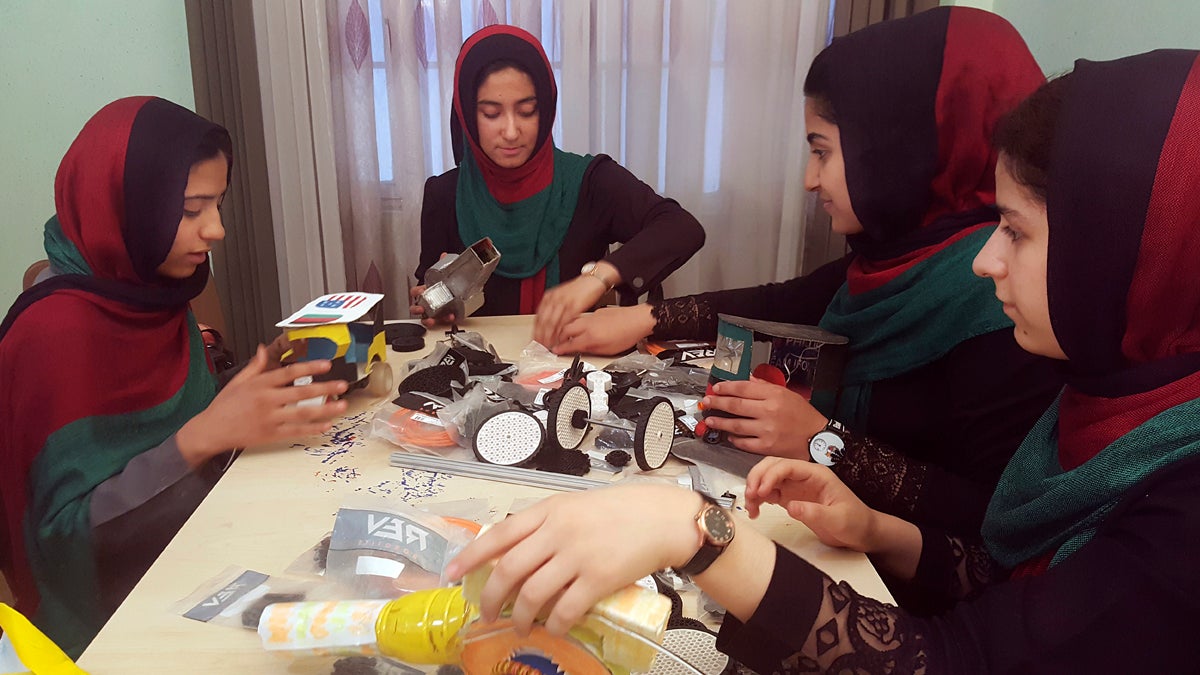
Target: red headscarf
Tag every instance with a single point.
(484, 47)
(1122, 260)
(1125, 305)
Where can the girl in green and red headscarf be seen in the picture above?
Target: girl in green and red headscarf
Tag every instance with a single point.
(110, 418)
(936, 395)
(552, 214)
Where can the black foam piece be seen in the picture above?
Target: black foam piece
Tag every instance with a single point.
(408, 344)
(436, 380)
(689, 623)
(403, 330)
(475, 356)
(570, 462)
(479, 369)
(676, 602)
(621, 382)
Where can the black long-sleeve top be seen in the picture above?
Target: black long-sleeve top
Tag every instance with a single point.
(1128, 601)
(136, 513)
(656, 233)
(937, 437)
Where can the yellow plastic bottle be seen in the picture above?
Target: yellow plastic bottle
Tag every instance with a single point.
(422, 627)
(425, 626)
(429, 627)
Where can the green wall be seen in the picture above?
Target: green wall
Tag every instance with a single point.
(63, 60)
(1060, 31)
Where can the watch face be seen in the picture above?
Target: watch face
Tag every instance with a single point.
(826, 448)
(718, 526)
(587, 267)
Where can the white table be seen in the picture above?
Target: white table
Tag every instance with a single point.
(277, 501)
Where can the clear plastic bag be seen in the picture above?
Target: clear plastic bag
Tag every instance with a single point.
(237, 596)
(417, 431)
(685, 380)
(471, 340)
(382, 551)
(462, 418)
(539, 367)
(636, 362)
(618, 435)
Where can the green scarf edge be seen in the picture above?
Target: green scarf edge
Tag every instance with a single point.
(1037, 507)
(527, 233)
(63, 255)
(904, 324)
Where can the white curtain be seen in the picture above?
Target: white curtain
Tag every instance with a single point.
(701, 99)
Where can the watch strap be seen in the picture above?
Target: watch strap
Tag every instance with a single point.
(703, 559)
(591, 269)
(837, 427)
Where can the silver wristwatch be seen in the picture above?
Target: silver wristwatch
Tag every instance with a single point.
(828, 446)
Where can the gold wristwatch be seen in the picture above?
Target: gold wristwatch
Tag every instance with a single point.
(716, 532)
(589, 269)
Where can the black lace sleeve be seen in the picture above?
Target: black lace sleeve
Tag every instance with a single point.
(884, 479)
(801, 300)
(1125, 602)
(689, 317)
(921, 492)
(808, 623)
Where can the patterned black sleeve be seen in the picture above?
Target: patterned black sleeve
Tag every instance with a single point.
(809, 623)
(1125, 602)
(689, 317)
(802, 300)
(921, 492)
(883, 478)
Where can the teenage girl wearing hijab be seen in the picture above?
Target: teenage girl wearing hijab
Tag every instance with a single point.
(1087, 558)
(936, 394)
(111, 425)
(552, 214)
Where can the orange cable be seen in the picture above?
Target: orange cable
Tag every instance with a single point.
(417, 432)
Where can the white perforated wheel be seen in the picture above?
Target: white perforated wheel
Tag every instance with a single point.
(379, 380)
(696, 647)
(568, 420)
(654, 435)
(509, 438)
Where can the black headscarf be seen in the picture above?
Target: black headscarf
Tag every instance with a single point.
(916, 122)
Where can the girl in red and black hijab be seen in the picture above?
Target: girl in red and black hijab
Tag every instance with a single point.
(1120, 186)
(1087, 559)
(936, 394)
(552, 214)
(110, 419)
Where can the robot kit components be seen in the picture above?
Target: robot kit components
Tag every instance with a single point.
(802, 358)
(515, 437)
